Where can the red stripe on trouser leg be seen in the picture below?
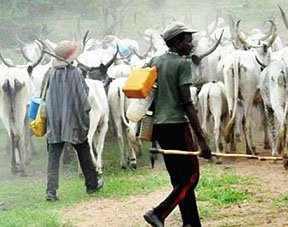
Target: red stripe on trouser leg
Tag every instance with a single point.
(183, 170)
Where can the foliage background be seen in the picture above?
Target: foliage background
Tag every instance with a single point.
(66, 19)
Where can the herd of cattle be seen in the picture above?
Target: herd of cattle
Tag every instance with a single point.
(233, 74)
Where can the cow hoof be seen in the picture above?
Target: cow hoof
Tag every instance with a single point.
(23, 174)
(14, 170)
(218, 162)
(267, 146)
(133, 166)
(238, 138)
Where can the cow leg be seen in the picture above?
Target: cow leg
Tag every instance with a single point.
(29, 146)
(239, 119)
(14, 169)
(232, 143)
(134, 145)
(250, 149)
(99, 144)
(271, 123)
(121, 143)
(8, 145)
(265, 127)
(22, 154)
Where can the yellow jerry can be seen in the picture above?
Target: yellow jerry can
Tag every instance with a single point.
(140, 82)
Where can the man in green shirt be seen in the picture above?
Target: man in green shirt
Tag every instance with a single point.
(174, 116)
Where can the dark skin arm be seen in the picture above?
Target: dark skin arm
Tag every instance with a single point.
(194, 121)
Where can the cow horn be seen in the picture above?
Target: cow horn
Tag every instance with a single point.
(138, 55)
(232, 27)
(109, 63)
(240, 37)
(268, 33)
(85, 39)
(6, 62)
(260, 63)
(24, 55)
(274, 34)
(147, 52)
(284, 17)
(213, 48)
(41, 55)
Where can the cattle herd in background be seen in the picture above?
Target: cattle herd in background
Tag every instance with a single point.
(234, 75)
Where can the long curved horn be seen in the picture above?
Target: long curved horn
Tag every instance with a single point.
(20, 41)
(213, 48)
(232, 27)
(24, 55)
(274, 34)
(41, 55)
(138, 55)
(240, 37)
(268, 33)
(5, 62)
(260, 63)
(149, 49)
(109, 63)
(85, 39)
(284, 17)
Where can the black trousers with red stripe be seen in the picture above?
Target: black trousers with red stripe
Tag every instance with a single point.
(183, 171)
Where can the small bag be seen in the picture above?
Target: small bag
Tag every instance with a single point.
(38, 126)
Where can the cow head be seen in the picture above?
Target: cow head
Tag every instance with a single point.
(263, 47)
(29, 67)
(99, 72)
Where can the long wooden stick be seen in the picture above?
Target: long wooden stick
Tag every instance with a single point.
(218, 155)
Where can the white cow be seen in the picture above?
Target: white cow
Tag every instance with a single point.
(241, 73)
(129, 144)
(213, 104)
(99, 117)
(16, 89)
(273, 87)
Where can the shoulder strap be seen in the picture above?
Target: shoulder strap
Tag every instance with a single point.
(46, 85)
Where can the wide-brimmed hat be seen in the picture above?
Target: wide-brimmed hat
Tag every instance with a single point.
(68, 51)
(175, 28)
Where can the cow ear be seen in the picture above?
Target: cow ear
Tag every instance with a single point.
(196, 60)
(29, 69)
(103, 68)
(84, 72)
(265, 48)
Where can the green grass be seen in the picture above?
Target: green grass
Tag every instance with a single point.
(220, 188)
(25, 205)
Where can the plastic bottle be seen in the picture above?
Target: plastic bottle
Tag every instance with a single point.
(139, 107)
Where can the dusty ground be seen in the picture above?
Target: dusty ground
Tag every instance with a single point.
(260, 210)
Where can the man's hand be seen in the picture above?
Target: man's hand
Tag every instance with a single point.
(205, 151)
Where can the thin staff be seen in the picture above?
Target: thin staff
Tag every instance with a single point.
(218, 155)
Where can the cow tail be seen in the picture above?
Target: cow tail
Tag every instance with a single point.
(205, 108)
(231, 123)
(122, 107)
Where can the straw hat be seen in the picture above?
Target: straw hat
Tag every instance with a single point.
(68, 51)
(175, 28)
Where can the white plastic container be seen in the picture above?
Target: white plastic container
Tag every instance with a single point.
(139, 107)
